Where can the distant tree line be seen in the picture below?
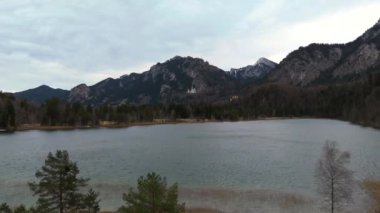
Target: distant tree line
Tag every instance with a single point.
(7, 112)
(357, 102)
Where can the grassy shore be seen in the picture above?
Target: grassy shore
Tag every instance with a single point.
(194, 210)
(202, 210)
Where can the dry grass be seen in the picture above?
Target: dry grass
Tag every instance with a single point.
(192, 210)
(372, 187)
(216, 200)
(99, 212)
(201, 210)
(224, 195)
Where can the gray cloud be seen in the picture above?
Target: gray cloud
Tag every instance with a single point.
(94, 35)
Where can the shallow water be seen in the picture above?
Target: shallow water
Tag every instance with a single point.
(274, 155)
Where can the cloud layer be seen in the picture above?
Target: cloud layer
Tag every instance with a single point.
(66, 42)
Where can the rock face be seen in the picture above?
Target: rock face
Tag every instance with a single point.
(254, 72)
(177, 79)
(79, 93)
(42, 93)
(323, 64)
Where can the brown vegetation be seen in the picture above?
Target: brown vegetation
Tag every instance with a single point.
(202, 210)
(372, 187)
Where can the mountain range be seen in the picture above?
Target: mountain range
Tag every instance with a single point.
(187, 79)
(331, 63)
(175, 80)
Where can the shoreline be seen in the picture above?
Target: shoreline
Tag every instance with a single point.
(29, 127)
(114, 125)
(111, 125)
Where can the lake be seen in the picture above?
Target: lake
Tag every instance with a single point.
(243, 160)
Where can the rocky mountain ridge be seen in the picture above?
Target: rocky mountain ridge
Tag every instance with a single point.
(174, 80)
(331, 63)
(254, 72)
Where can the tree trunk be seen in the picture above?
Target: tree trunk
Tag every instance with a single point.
(332, 195)
(60, 195)
(154, 203)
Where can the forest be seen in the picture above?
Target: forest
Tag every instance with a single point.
(357, 102)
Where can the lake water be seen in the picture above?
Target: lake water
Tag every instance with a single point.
(215, 160)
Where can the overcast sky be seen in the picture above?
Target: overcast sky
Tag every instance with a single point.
(62, 43)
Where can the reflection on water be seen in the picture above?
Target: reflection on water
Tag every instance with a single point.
(253, 160)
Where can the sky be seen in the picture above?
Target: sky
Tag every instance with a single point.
(62, 43)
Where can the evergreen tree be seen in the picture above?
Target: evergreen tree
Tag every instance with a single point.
(152, 196)
(7, 115)
(91, 201)
(3, 117)
(74, 201)
(53, 112)
(11, 115)
(21, 209)
(4, 208)
(58, 182)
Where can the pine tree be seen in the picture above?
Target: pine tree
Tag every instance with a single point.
(11, 117)
(58, 183)
(91, 201)
(21, 209)
(152, 196)
(4, 208)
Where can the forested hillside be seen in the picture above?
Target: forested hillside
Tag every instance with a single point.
(356, 102)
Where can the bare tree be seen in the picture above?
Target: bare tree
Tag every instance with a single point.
(335, 180)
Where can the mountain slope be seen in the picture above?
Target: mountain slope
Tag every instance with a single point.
(335, 63)
(42, 93)
(178, 79)
(252, 73)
